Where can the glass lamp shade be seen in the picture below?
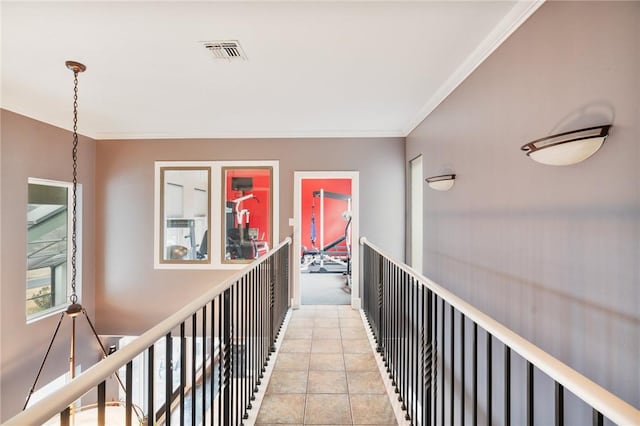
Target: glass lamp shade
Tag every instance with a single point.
(567, 148)
(442, 182)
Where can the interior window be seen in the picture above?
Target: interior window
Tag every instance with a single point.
(184, 215)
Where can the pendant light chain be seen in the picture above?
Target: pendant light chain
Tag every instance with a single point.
(73, 298)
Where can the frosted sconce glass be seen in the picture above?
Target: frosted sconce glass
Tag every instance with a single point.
(442, 182)
(567, 148)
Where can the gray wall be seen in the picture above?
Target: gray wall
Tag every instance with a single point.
(552, 252)
(131, 296)
(33, 149)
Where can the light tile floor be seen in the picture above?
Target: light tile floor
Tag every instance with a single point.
(325, 373)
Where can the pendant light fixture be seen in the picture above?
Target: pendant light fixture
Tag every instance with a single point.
(567, 148)
(75, 308)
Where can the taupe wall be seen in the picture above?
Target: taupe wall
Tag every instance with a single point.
(131, 296)
(33, 149)
(552, 252)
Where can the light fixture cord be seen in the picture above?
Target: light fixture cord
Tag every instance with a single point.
(74, 153)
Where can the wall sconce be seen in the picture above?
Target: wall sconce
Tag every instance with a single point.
(442, 182)
(567, 148)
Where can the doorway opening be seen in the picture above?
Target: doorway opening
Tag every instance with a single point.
(416, 187)
(325, 239)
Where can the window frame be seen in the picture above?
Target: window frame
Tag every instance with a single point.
(215, 222)
(60, 307)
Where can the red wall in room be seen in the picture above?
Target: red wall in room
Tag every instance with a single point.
(259, 209)
(334, 224)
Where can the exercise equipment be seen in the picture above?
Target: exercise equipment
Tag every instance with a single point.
(335, 256)
(242, 241)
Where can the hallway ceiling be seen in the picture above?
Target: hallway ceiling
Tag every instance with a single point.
(313, 69)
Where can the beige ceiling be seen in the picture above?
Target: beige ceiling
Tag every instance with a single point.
(314, 69)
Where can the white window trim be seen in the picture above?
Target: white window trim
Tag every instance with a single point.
(63, 306)
(215, 221)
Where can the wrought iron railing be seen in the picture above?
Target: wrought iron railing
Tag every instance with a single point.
(443, 358)
(237, 323)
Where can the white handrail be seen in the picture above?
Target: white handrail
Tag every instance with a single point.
(612, 407)
(48, 407)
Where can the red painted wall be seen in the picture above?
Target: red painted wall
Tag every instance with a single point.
(259, 209)
(334, 224)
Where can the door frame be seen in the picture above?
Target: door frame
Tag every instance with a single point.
(298, 176)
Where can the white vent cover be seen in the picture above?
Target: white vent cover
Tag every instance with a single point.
(229, 50)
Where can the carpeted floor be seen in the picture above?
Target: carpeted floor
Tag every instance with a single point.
(324, 289)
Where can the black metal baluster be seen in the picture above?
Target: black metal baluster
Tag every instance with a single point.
(386, 306)
(409, 335)
(507, 385)
(405, 340)
(265, 315)
(258, 298)
(221, 358)
(194, 399)
(261, 304)
(410, 395)
(443, 363)
(272, 300)
(530, 394)
(227, 358)
(258, 307)
(235, 365)
(102, 400)
(598, 419)
(380, 305)
(240, 344)
(129, 394)
(151, 415)
(428, 379)
(489, 380)
(463, 385)
(254, 351)
(559, 404)
(183, 372)
(392, 319)
(435, 358)
(402, 315)
(245, 346)
(212, 351)
(204, 365)
(396, 320)
(394, 324)
(475, 374)
(418, 315)
(65, 416)
(251, 341)
(168, 371)
(452, 339)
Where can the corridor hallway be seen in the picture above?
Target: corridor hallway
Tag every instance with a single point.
(325, 373)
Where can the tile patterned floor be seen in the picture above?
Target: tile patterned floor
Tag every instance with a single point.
(325, 373)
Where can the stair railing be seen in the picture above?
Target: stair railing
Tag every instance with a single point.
(239, 319)
(429, 339)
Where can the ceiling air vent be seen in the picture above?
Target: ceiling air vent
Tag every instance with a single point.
(229, 50)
